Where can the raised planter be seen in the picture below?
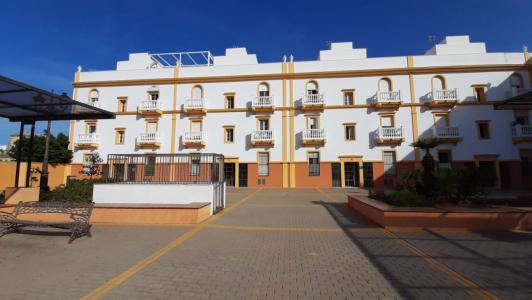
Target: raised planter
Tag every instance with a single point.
(389, 216)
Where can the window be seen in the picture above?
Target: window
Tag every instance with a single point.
(195, 160)
(312, 88)
(264, 163)
(385, 85)
(264, 124)
(387, 121)
(197, 92)
(149, 169)
(230, 101)
(480, 93)
(349, 97)
(154, 96)
(91, 128)
(122, 104)
(313, 164)
(151, 127)
(438, 83)
(349, 132)
(313, 123)
(521, 117)
(94, 96)
(516, 81)
(229, 134)
(264, 90)
(120, 136)
(196, 126)
(483, 130)
(389, 163)
(444, 159)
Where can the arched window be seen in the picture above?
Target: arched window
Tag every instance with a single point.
(385, 85)
(516, 81)
(312, 88)
(153, 93)
(264, 89)
(197, 92)
(438, 83)
(94, 96)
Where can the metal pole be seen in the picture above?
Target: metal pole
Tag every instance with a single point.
(44, 173)
(19, 152)
(30, 154)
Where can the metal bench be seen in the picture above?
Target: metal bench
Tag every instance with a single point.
(77, 223)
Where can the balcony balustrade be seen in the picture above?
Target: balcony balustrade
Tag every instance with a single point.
(389, 135)
(448, 135)
(312, 101)
(521, 133)
(314, 137)
(150, 107)
(87, 140)
(194, 106)
(262, 138)
(388, 99)
(149, 139)
(196, 139)
(444, 98)
(262, 103)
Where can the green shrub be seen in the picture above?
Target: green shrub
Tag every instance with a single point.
(411, 181)
(407, 198)
(73, 191)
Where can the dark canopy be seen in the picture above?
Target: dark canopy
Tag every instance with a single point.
(523, 101)
(20, 102)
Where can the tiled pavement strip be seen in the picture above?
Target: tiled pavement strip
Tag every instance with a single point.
(272, 244)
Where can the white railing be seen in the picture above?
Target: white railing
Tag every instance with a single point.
(519, 91)
(150, 105)
(445, 95)
(88, 138)
(194, 104)
(522, 130)
(262, 101)
(388, 96)
(390, 133)
(314, 134)
(95, 104)
(262, 135)
(149, 137)
(446, 132)
(194, 136)
(313, 99)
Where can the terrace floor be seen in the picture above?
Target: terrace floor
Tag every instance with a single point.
(269, 244)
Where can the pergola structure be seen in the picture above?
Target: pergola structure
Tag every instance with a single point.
(523, 101)
(20, 102)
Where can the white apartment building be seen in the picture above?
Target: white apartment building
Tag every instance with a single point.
(342, 120)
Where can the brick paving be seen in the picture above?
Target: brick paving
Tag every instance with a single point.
(279, 244)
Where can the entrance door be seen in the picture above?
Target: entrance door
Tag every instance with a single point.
(368, 174)
(243, 175)
(488, 173)
(336, 175)
(351, 174)
(229, 172)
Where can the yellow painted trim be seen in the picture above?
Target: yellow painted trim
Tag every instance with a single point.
(344, 93)
(351, 158)
(119, 131)
(174, 115)
(121, 104)
(488, 123)
(263, 83)
(292, 167)
(413, 109)
(390, 83)
(72, 123)
(286, 169)
(226, 127)
(310, 75)
(226, 107)
(192, 91)
(354, 125)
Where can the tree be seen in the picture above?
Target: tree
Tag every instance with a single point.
(92, 165)
(428, 163)
(58, 152)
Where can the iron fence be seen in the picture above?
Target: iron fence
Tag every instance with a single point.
(182, 168)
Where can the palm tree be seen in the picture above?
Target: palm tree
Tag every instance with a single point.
(428, 162)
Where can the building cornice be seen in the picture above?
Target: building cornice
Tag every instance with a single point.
(308, 75)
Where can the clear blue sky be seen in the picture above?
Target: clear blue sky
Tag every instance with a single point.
(42, 42)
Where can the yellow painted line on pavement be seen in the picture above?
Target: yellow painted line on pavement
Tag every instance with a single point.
(460, 279)
(111, 284)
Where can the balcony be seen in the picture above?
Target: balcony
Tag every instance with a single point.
(193, 139)
(519, 91)
(448, 135)
(521, 134)
(444, 98)
(314, 137)
(87, 141)
(262, 103)
(262, 138)
(150, 107)
(312, 102)
(388, 99)
(194, 106)
(149, 140)
(389, 135)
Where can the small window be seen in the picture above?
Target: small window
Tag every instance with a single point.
(230, 101)
(91, 128)
(313, 123)
(389, 163)
(349, 98)
(387, 121)
(120, 136)
(229, 134)
(264, 90)
(314, 164)
(483, 130)
(480, 93)
(94, 96)
(195, 160)
(264, 124)
(151, 127)
(197, 92)
(349, 132)
(444, 159)
(264, 164)
(312, 88)
(385, 85)
(149, 169)
(122, 105)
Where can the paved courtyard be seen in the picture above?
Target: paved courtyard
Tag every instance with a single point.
(269, 244)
